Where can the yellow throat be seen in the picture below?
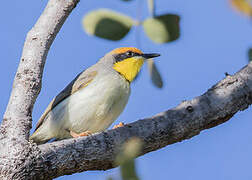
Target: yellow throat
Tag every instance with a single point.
(129, 67)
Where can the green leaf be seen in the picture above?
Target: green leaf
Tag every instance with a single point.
(130, 150)
(107, 24)
(250, 54)
(154, 74)
(162, 29)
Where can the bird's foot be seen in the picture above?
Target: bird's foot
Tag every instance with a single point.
(121, 124)
(75, 135)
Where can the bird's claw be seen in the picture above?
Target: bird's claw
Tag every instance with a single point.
(75, 135)
(121, 124)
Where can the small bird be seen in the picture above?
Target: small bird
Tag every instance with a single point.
(94, 99)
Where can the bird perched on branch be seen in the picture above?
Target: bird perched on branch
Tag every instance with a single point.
(94, 99)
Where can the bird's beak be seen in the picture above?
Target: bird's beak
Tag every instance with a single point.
(148, 56)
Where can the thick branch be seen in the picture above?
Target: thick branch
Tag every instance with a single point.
(20, 159)
(27, 84)
(98, 152)
(17, 155)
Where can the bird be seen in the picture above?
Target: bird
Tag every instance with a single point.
(94, 99)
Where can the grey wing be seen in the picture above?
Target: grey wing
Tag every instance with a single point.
(80, 81)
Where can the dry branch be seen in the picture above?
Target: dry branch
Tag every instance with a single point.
(98, 152)
(21, 159)
(15, 151)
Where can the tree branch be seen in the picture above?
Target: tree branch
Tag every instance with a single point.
(27, 84)
(20, 159)
(98, 152)
(17, 155)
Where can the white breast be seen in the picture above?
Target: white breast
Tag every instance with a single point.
(93, 108)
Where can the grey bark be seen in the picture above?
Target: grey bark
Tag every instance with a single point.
(16, 152)
(21, 159)
(98, 152)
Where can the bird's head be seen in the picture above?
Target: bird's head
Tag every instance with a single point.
(128, 61)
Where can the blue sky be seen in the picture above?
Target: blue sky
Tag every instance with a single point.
(214, 40)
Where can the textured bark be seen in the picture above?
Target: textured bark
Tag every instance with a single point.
(21, 159)
(15, 151)
(98, 152)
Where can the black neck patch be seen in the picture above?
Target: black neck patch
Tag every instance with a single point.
(128, 54)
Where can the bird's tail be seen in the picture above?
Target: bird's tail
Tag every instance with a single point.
(39, 137)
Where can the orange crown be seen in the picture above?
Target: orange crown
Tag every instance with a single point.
(125, 49)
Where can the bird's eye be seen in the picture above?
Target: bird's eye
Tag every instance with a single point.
(129, 53)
